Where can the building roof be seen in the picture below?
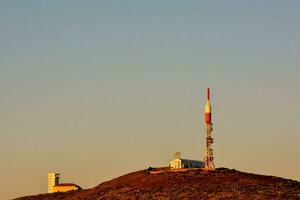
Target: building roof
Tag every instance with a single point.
(188, 160)
(66, 185)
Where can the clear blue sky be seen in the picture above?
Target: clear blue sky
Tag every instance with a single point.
(96, 89)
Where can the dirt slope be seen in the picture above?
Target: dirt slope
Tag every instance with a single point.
(194, 184)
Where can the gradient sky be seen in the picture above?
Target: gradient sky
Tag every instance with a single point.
(96, 89)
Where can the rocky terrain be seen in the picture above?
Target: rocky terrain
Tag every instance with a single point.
(191, 184)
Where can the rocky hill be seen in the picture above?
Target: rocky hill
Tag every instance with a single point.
(191, 184)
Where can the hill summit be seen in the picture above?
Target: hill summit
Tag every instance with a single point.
(162, 183)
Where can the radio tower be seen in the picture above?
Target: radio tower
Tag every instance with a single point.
(208, 158)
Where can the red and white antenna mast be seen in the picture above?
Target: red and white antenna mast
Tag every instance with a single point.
(208, 158)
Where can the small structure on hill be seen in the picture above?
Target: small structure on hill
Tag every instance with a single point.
(55, 186)
(179, 163)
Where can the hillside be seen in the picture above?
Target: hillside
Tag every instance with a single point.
(193, 184)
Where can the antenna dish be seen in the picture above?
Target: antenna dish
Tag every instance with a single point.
(177, 155)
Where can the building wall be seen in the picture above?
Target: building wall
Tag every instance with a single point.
(191, 163)
(53, 179)
(179, 163)
(64, 188)
(175, 164)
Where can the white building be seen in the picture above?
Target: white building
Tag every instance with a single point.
(179, 163)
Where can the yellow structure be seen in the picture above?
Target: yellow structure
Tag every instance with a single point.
(53, 180)
(55, 186)
(65, 187)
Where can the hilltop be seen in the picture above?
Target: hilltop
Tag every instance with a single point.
(191, 184)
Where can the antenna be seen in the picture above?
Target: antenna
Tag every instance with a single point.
(208, 158)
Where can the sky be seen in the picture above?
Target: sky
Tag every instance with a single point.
(96, 89)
